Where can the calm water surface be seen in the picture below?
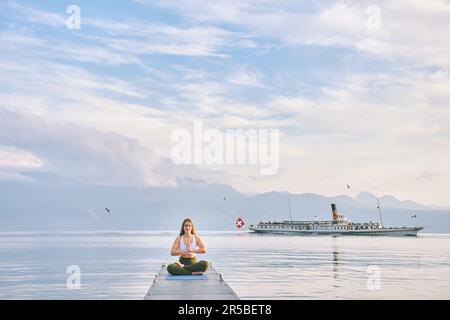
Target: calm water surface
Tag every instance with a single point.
(122, 265)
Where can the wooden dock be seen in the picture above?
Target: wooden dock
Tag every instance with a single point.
(210, 286)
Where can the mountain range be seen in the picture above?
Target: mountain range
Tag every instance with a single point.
(49, 204)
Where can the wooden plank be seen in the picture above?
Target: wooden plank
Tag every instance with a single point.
(213, 288)
(193, 297)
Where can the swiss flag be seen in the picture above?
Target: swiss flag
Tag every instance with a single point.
(240, 223)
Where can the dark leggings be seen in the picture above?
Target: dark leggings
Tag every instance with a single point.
(190, 265)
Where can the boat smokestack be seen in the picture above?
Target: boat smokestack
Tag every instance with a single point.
(333, 209)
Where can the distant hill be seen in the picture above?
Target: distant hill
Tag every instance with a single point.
(51, 204)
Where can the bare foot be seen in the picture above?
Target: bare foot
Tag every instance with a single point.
(196, 273)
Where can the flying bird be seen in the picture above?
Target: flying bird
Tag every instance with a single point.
(348, 187)
(108, 210)
(414, 216)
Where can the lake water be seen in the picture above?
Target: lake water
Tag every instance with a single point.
(122, 265)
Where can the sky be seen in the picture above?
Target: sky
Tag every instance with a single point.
(359, 91)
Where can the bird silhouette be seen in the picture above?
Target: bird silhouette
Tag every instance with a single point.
(348, 187)
(108, 210)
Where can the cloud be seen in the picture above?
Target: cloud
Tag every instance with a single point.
(12, 158)
(244, 76)
(428, 174)
(83, 155)
(143, 38)
(64, 83)
(381, 130)
(364, 121)
(410, 31)
(209, 29)
(78, 153)
(35, 16)
(376, 110)
(120, 42)
(63, 50)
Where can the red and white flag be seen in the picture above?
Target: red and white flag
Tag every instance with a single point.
(240, 223)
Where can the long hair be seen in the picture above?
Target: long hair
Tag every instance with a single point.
(182, 226)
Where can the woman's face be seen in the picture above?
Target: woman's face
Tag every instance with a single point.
(187, 227)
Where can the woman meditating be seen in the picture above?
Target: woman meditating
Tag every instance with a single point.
(186, 246)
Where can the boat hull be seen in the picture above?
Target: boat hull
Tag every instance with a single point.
(369, 232)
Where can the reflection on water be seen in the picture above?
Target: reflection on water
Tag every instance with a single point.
(335, 259)
(122, 265)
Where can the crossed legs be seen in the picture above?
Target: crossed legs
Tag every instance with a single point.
(188, 268)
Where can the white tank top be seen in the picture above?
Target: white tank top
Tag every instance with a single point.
(183, 246)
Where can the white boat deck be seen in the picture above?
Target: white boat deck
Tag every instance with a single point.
(212, 288)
